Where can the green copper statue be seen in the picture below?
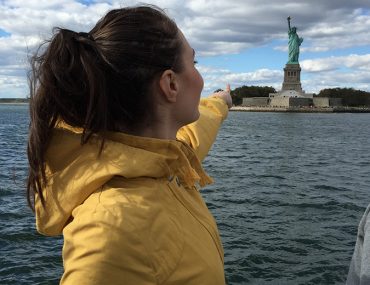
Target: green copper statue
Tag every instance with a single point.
(294, 43)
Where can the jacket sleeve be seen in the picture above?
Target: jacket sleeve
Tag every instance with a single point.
(99, 249)
(201, 134)
(359, 271)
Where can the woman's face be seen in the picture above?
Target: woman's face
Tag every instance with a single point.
(190, 87)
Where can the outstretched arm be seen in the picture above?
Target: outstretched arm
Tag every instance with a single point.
(201, 134)
(289, 29)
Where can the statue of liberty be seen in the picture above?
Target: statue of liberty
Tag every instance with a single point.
(294, 43)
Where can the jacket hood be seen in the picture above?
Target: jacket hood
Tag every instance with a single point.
(75, 171)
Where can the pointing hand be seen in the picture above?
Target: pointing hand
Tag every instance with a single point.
(225, 95)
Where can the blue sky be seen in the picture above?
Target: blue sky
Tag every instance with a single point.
(242, 42)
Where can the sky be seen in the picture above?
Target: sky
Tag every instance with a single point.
(241, 42)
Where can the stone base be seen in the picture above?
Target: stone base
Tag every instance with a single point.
(291, 94)
(256, 101)
(287, 102)
(290, 102)
(327, 102)
(292, 77)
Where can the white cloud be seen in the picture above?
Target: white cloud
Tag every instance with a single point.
(13, 86)
(216, 78)
(215, 26)
(212, 27)
(342, 71)
(332, 79)
(352, 61)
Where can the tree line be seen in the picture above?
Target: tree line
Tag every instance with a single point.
(14, 100)
(249, 91)
(350, 96)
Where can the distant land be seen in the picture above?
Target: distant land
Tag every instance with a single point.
(343, 109)
(350, 97)
(14, 100)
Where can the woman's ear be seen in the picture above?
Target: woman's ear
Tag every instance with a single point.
(169, 85)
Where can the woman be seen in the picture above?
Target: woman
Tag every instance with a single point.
(359, 270)
(114, 160)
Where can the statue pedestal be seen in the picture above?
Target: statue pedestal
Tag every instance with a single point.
(292, 77)
(291, 93)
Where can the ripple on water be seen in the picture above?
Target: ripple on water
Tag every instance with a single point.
(289, 192)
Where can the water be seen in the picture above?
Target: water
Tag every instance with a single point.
(290, 191)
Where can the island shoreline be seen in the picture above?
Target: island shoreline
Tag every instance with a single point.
(301, 109)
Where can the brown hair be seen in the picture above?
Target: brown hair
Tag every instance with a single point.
(98, 81)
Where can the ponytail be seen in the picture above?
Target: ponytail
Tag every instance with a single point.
(65, 83)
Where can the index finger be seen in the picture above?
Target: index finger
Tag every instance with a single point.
(227, 87)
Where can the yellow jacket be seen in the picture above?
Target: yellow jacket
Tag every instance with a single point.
(133, 215)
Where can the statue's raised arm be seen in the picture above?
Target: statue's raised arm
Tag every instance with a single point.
(288, 23)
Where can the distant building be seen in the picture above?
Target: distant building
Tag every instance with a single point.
(327, 102)
(292, 94)
(256, 101)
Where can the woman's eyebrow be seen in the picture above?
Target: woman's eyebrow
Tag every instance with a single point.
(193, 52)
